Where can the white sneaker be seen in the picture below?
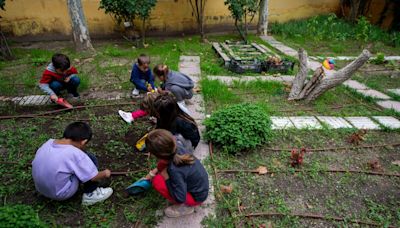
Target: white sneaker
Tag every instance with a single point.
(135, 92)
(126, 116)
(98, 195)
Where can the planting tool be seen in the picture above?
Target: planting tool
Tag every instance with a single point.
(63, 102)
(138, 187)
(140, 144)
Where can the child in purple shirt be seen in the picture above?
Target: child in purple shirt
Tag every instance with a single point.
(60, 166)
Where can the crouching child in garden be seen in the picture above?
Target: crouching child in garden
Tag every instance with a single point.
(179, 176)
(141, 76)
(60, 165)
(60, 75)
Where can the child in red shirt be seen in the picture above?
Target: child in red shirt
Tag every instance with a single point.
(60, 75)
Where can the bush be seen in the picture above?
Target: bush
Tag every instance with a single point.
(19, 216)
(238, 127)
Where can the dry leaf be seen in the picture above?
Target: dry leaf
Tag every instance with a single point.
(397, 162)
(226, 188)
(375, 165)
(262, 170)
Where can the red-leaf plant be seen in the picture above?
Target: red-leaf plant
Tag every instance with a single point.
(296, 158)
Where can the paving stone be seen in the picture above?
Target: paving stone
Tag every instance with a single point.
(395, 91)
(281, 122)
(305, 122)
(190, 65)
(363, 123)
(32, 100)
(390, 105)
(355, 85)
(388, 121)
(334, 122)
(373, 93)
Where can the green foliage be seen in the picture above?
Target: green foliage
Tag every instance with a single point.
(379, 59)
(19, 216)
(331, 28)
(240, 10)
(238, 127)
(128, 10)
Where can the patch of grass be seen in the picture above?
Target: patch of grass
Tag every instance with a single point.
(217, 94)
(328, 35)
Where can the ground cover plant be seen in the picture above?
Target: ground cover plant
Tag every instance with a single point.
(331, 36)
(238, 127)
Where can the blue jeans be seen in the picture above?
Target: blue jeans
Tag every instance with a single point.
(71, 86)
(90, 186)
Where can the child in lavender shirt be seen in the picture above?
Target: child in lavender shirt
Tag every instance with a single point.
(60, 166)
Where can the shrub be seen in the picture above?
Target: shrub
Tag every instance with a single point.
(379, 59)
(19, 216)
(238, 127)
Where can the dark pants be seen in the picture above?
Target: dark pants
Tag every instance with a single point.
(71, 86)
(90, 186)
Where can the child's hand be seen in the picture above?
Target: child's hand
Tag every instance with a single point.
(164, 174)
(107, 173)
(54, 97)
(67, 79)
(149, 88)
(151, 174)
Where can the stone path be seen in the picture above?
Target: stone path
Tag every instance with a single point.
(334, 122)
(387, 103)
(395, 91)
(388, 58)
(229, 79)
(190, 65)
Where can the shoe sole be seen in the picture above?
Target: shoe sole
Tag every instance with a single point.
(123, 118)
(94, 202)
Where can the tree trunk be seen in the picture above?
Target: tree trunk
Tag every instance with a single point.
(5, 51)
(339, 77)
(144, 32)
(319, 84)
(79, 27)
(262, 27)
(298, 82)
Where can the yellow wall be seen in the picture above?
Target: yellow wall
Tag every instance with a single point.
(50, 17)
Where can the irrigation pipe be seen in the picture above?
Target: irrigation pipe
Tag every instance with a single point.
(309, 170)
(314, 216)
(63, 110)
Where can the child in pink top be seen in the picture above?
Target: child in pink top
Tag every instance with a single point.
(146, 108)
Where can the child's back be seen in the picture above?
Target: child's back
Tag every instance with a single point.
(57, 170)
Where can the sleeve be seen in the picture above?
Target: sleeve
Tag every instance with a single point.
(72, 70)
(189, 131)
(46, 88)
(135, 79)
(84, 169)
(139, 113)
(177, 186)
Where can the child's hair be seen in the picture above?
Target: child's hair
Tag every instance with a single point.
(78, 131)
(143, 59)
(148, 103)
(60, 61)
(161, 70)
(162, 144)
(167, 111)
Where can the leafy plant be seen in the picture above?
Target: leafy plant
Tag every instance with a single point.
(238, 127)
(128, 10)
(240, 11)
(379, 59)
(19, 216)
(363, 28)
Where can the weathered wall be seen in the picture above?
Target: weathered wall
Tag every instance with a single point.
(50, 17)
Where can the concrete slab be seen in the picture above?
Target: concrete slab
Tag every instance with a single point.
(334, 122)
(305, 122)
(373, 93)
(388, 121)
(395, 91)
(363, 123)
(32, 100)
(389, 104)
(355, 85)
(281, 122)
